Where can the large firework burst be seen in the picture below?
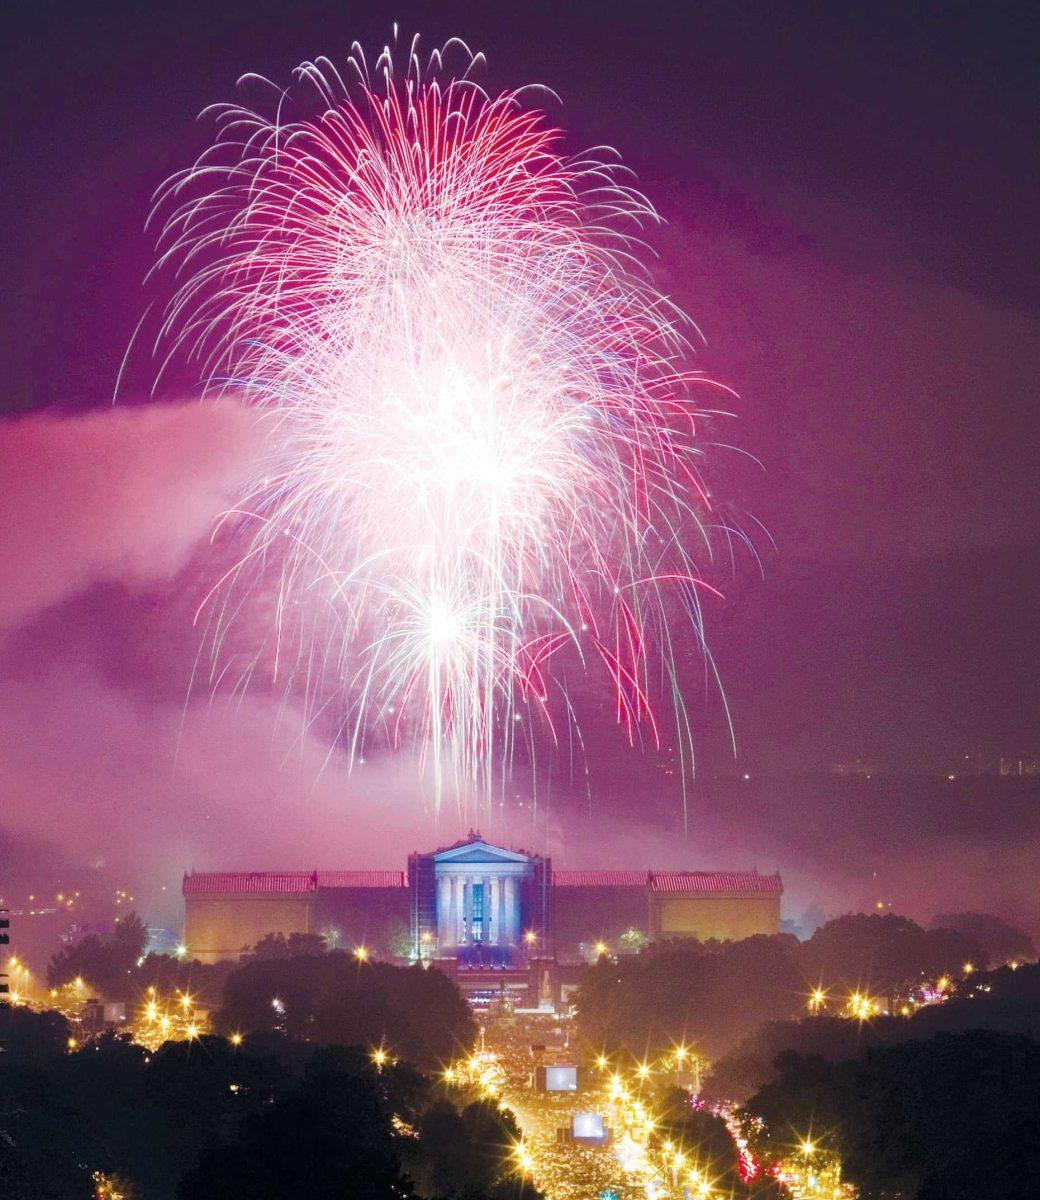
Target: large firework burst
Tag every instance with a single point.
(481, 453)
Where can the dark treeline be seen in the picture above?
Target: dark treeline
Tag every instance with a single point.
(270, 1119)
(334, 998)
(712, 995)
(950, 1118)
(293, 985)
(1002, 1001)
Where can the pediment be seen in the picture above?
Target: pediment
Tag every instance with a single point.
(479, 851)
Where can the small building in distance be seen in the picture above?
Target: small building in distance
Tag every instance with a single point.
(495, 918)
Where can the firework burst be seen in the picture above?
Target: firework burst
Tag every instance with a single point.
(481, 458)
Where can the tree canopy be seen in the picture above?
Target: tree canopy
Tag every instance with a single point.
(951, 1118)
(999, 941)
(714, 994)
(711, 994)
(884, 954)
(335, 999)
(270, 1117)
(1004, 1001)
(105, 962)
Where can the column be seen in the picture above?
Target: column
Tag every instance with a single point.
(491, 900)
(443, 912)
(459, 891)
(469, 909)
(512, 917)
(453, 919)
(503, 921)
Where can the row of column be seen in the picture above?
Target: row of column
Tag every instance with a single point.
(500, 926)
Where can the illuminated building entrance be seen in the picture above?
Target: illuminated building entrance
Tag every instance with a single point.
(478, 902)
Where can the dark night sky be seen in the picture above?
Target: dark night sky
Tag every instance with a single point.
(851, 193)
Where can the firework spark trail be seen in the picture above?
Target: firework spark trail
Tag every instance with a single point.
(480, 432)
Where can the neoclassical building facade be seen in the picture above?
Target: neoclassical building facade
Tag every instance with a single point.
(480, 911)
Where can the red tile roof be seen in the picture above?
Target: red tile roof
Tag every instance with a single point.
(701, 882)
(281, 883)
(599, 879)
(362, 879)
(257, 883)
(716, 881)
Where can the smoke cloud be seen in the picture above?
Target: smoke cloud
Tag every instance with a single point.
(123, 494)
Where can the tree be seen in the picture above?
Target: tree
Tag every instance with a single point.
(105, 963)
(328, 1140)
(702, 1136)
(704, 1139)
(333, 999)
(952, 1118)
(632, 940)
(14, 1170)
(265, 1117)
(1003, 1001)
(750, 1064)
(400, 940)
(710, 994)
(462, 1155)
(31, 1037)
(999, 941)
(130, 937)
(296, 945)
(884, 955)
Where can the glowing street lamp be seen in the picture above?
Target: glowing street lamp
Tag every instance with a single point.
(361, 953)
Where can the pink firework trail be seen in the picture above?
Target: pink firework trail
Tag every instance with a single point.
(481, 459)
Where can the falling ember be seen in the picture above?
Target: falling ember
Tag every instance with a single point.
(481, 461)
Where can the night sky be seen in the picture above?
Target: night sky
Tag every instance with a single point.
(851, 197)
